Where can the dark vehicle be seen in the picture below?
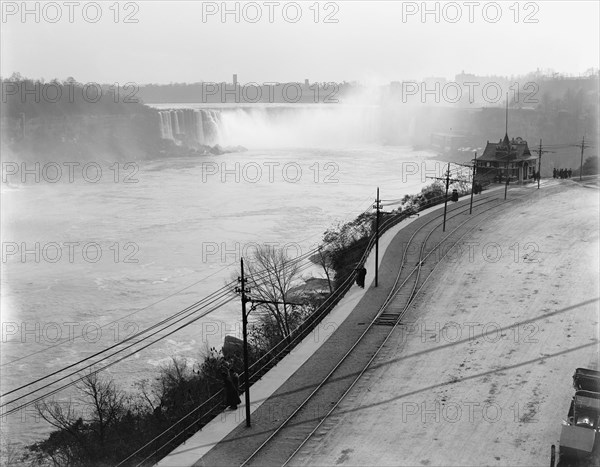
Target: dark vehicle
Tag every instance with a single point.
(579, 440)
(587, 380)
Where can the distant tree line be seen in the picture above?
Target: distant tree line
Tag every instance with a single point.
(73, 121)
(40, 98)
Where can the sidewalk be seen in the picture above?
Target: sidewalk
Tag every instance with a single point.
(192, 451)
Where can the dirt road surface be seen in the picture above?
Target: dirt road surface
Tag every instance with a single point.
(479, 373)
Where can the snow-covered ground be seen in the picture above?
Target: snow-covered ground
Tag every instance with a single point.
(480, 371)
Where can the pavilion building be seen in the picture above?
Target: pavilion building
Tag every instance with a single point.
(510, 158)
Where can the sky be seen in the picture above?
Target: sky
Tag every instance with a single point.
(280, 41)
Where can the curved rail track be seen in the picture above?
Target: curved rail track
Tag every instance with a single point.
(300, 426)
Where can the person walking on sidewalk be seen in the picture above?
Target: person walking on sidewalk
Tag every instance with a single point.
(235, 379)
(361, 273)
(232, 398)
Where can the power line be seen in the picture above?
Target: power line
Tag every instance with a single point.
(85, 334)
(114, 321)
(128, 339)
(223, 295)
(112, 363)
(54, 391)
(348, 277)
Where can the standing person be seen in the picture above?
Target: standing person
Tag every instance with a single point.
(235, 379)
(232, 398)
(569, 172)
(361, 273)
(554, 172)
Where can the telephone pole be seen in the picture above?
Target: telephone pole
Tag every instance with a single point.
(507, 149)
(473, 183)
(507, 178)
(540, 151)
(377, 207)
(539, 174)
(243, 290)
(448, 180)
(583, 146)
(446, 197)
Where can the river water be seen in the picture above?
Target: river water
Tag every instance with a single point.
(90, 260)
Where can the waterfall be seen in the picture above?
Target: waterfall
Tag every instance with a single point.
(199, 126)
(289, 126)
(191, 126)
(175, 120)
(211, 121)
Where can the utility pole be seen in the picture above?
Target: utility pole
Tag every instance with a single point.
(448, 180)
(583, 146)
(473, 183)
(507, 177)
(243, 290)
(540, 151)
(539, 174)
(377, 207)
(446, 197)
(507, 149)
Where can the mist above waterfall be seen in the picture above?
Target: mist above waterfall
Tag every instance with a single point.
(275, 125)
(307, 126)
(358, 120)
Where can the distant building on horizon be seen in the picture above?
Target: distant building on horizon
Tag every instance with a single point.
(448, 142)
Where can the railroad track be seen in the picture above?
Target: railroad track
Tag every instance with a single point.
(294, 432)
(405, 286)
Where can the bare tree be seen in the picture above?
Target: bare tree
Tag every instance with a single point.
(11, 456)
(106, 400)
(272, 274)
(61, 415)
(151, 395)
(67, 445)
(324, 259)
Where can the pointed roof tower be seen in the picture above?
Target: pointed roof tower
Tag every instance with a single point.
(504, 151)
(506, 141)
